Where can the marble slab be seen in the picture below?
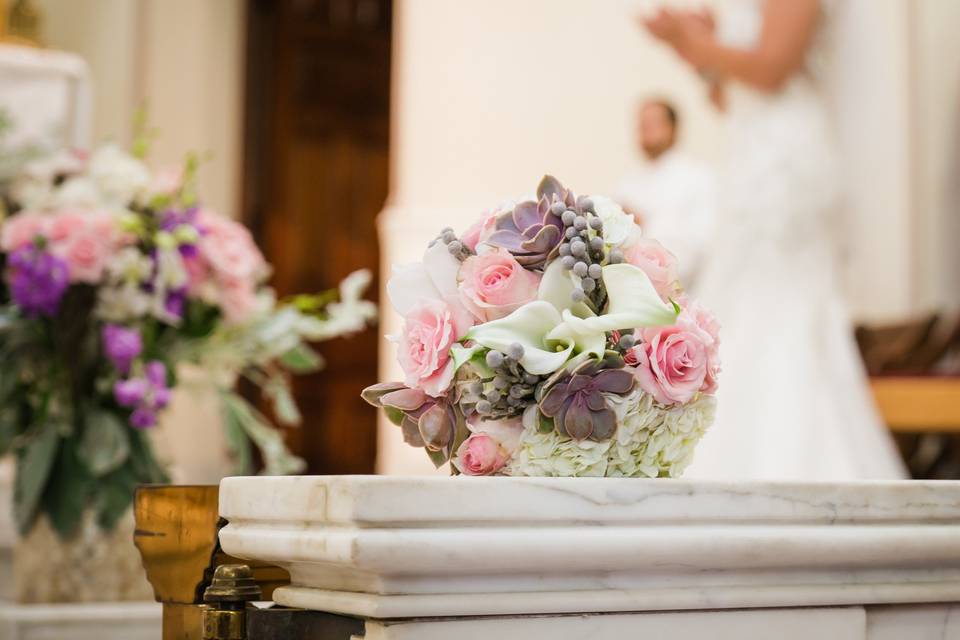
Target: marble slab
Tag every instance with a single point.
(94, 621)
(390, 547)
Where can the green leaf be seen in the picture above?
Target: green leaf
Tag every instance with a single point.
(394, 415)
(35, 460)
(544, 423)
(284, 406)
(115, 495)
(9, 428)
(144, 465)
(302, 359)
(238, 443)
(68, 491)
(104, 445)
(277, 459)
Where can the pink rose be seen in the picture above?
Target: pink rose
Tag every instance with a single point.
(67, 225)
(671, 363)
(86, 256)
(480, 231)
(493, 285)
(228, 248)
(479, 455)
(238, 299)
(429, 330)
(659, 264)
(22, 229)
(698, 320)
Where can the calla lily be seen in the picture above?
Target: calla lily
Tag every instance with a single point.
(550, 335)
(528, 326)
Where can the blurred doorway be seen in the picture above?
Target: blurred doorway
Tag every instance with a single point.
(315, 177)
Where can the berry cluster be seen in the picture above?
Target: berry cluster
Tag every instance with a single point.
(508, 392)
(583, 251)
(456, 248)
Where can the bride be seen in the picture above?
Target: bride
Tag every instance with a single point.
(794, 403)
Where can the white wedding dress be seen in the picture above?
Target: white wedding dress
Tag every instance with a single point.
(793, 402)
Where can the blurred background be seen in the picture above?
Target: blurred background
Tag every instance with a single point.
(344, 133)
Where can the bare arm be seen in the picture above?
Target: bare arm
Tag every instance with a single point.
(788, 28)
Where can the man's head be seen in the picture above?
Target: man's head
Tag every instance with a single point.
(656, 126)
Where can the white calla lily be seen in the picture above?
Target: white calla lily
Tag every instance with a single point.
(528, 326)
(550, 336)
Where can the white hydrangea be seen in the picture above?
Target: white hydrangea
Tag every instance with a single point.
(118, 175)
(550, 454)
(651, 441)
(655, 441)
(619, 227)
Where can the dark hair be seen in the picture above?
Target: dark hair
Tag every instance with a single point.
(666, 106)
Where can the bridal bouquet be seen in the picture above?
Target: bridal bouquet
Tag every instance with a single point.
(112, 276)
(551, 339)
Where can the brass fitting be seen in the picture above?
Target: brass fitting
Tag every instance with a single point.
(232, 588)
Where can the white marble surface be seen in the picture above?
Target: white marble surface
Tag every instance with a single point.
(100, 621)
(914, 622)
(783, 624)
(390, 547)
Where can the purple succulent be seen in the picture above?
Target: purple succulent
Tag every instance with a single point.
(38, 280)
(426, 422)
(577, 403)
(533, 231)
(121, 346)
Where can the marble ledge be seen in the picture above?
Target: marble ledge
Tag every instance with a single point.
(407, 547)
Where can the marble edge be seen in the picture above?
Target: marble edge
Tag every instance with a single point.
(399, 500)
(610, 600)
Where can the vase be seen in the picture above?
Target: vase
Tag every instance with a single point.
(92, 565)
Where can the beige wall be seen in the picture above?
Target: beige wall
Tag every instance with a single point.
(181, 58)
(936, 151)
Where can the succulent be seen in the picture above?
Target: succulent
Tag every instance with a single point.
(576, 401)
(431, 423)
(533, 230)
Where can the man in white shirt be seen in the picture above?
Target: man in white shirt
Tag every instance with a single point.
(672, 195)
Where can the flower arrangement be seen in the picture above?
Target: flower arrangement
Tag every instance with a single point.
(551, 339)
(113, 275)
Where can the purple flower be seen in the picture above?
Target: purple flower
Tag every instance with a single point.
(175, 302)
(130, 393)
(146, 395)
(38, 280)
(156, 373)
(142, 418)
(121, 345)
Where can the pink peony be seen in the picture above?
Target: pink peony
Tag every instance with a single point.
(493, 285)
(22, 229)
(671, 363)
(479, 455)
(659, 264)
(228, 248)
(238, 299)
(429, 330)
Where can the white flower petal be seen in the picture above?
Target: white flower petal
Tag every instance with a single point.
(528, 326)
(409, 285)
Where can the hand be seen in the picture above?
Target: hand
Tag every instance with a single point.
(690, 34)
(718, 96)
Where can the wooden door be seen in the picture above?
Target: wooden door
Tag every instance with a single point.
(316, 170)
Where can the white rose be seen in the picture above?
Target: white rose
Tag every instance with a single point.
(119, 176)
(619, 227)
